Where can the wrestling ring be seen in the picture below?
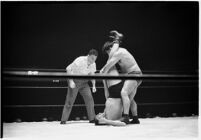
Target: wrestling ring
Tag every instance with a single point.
(167, 106)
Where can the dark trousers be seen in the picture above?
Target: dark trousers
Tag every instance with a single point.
(84, 89)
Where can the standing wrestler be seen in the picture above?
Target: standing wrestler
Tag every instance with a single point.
(84, 65)
(128, 65)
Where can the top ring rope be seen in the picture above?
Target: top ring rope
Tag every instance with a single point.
(64, 75)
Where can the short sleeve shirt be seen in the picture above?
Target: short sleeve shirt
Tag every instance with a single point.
(80, 66)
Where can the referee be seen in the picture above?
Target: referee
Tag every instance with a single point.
(84, 65)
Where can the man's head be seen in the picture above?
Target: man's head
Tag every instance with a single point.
(107, 47)
(115, 36)
(92, 56)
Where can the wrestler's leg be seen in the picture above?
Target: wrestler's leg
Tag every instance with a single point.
(129, 86)
(133, 107)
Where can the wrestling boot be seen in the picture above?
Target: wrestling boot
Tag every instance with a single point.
(92, 121)
(63, 122)
(135, 120)
(125, 118)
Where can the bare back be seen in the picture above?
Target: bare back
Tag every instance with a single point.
(127, 61)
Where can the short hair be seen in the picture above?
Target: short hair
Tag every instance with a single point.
(107, 46)
(93, 52)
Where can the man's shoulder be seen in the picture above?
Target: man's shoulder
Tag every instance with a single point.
(123, 51)
(120, 51)
(81, 58)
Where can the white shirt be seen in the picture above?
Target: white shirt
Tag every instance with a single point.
(80, 66)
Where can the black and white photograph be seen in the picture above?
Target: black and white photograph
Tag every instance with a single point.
(99, 70)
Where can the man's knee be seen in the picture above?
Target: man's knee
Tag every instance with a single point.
(90, 101)
(135, 84)
(68, 105)
(129, 86)
(133, 102)
(124, 93)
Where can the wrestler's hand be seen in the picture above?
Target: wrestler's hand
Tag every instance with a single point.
(100, 115)
(93, 89)
(102, 71)
(72, 84)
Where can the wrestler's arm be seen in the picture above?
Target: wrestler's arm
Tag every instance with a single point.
(105, 89)
(115, 58)
(114, 48)
(103, 120)
(114, 123)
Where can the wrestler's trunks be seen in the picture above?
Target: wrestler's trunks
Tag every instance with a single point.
(138, 73)
(115, 90)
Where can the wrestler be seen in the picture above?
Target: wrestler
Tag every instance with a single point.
(128, 65)
(113, 105)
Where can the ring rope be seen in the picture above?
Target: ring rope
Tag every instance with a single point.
(64, 75)
(80, 105)
(64, 87)
(97, 71)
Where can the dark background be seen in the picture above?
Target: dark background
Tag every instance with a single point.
(162, 36)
